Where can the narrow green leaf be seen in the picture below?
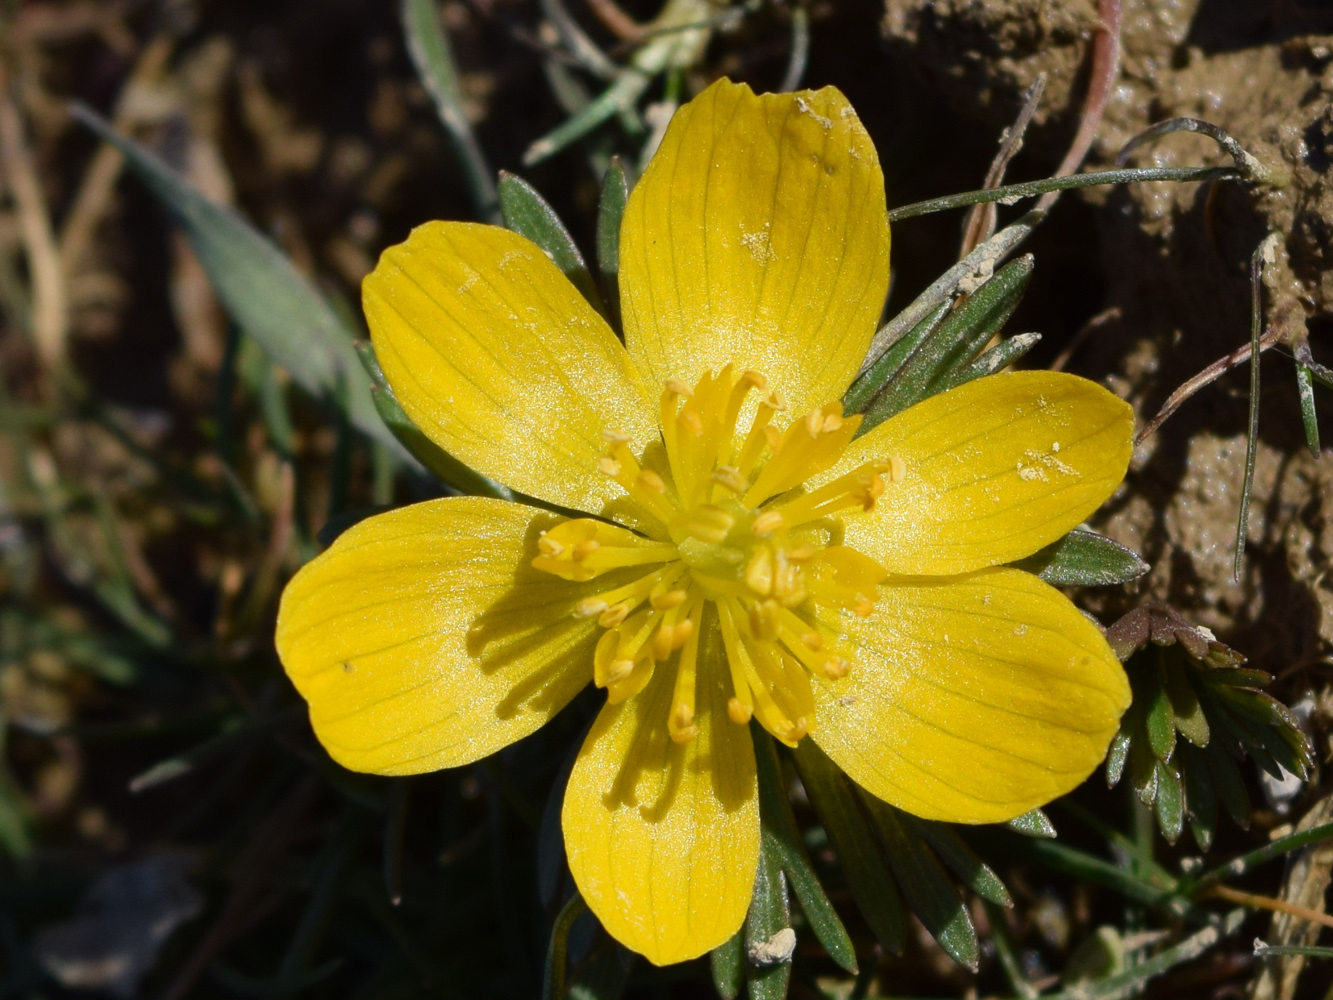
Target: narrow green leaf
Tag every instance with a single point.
(727, 964)
(14, 838)
(1170, 802)
(1190, 718)
(1143, 771)
(261, 289)
(779, 824)
(1089, 868)
(925, 885)
(1229, 784)
(954, 343)
(529, 214)
(1305, 390)
(1200, 798)
(1000, 356)
(1130, 983)
(429, 48)
(868, 878)
(962, 860)
(874, 378)
(1116, 757)
(1033, 823)
(769, 938)
(1158, 720)
(1263, 950)
(1262, 855)
(610, 210)
(449, 469)
(1084, 559)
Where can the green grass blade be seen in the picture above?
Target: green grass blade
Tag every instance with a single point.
(1000, 356)
(769, 939)
(554, 984)
(610, 210)
(780, 825)
(887, 365)
(726, 962)
(1305, 388)
(428, 45)
(261, 289)
(868, 877)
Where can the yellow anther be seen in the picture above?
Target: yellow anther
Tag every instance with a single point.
(864, 607)
(812, 641)
(683, 632)
(759, 572)
(671, 599)
(548, 546)
(738, 712)
(678, 388)
(836, 668)
(664, 642)
(682, 716)
(897, 469)
(651, 481)
(586, 548)
(616, 437)
(590, 607)
(757, 380)
(802, 553)
(730, 477)
(619, 670)
(773, 436)
(831, 423)
(614, 615)
(798, 729)
(777, 401)
(767, 523)
(609, 466)
(693, 425)
(814, 421)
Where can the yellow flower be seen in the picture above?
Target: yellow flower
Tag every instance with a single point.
(751, 555)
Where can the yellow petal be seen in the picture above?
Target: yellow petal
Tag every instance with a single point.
(500, 361)
(993, 470)
(972, 699)
(758, 236)
(423, 638)
(663, 837)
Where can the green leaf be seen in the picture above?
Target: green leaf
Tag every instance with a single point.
(610, 210)
(874, 378)
(769, 939)
(1200, 798)
(529, 214)
(1143, 771)
(962, 860)
(868, 878)
(260, 288)
(1000, 356)
(1305, 390)
(554, 985)
(1159, 722)
(1170, 802)
(925, 885)
(1033, 823)
(727, 964)
(449, 469)
(1190, 719)
(1084, 559)
(1229, 784)
(779, 824)
(1116, 757)
(953, 344)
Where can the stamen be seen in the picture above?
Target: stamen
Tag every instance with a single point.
(730, 478)
(768, 522)
(680, 723)
(709, 523)
(585, 548)
(671, 599)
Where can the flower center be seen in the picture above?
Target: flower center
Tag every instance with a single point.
(722, 511)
